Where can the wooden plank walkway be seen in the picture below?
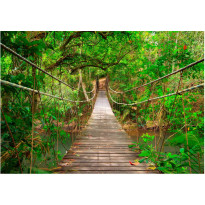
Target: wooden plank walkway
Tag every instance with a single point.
(102, 146)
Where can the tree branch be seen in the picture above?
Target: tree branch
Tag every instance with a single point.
(77, 34)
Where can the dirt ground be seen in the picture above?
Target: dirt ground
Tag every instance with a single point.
(102, 83)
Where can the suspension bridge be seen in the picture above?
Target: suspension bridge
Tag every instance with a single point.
(102, 145)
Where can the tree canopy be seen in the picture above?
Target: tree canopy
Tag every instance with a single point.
(128, 59)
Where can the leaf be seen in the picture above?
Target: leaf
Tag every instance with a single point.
(131, 146)
(125, 113)
(144, 153)
(142, 160)
(161, 169)
(136, 162)
(152, 167)
(131, 163)
(8, 118)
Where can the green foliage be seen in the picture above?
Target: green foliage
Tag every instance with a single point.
(164, 162)
(180, 116)
(130, 59)
(125, 113)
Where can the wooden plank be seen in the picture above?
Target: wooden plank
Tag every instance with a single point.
(105, 168)
(96, 160)
(108, 150)
(98, 164)
(102, 151)
(105, 172)
(101, 156)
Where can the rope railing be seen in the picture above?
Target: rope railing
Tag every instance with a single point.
(73, 132)
(43, 93)
(162, 115)
(70, 119)
(73, 112)
(37, 67)
(151, 82)
(156, 98)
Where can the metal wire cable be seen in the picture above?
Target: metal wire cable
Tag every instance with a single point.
(35, 66)
(43, 93)
(165, 76)
(156, 98)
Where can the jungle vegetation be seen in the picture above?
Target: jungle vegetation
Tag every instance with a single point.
(34, 126)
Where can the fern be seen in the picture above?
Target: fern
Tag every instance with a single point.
(126, 112)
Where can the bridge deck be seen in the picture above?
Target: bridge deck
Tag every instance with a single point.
(102, 147)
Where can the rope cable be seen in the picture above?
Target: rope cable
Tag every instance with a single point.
(165, 76)
(47, 94)
(156, 98)
(37, 67)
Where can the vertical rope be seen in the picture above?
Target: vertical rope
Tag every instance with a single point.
(187, 141)
(32, 132)
(58, 107)
(45, 119)
(173, 105)
(155, 139)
